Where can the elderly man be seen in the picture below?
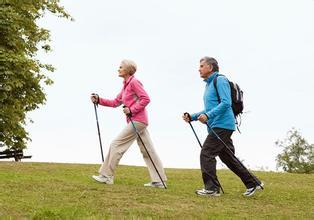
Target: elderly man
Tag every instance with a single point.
(220, 119)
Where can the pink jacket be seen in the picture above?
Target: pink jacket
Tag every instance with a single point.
(133, 96)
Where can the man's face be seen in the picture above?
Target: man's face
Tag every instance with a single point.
(205, 69)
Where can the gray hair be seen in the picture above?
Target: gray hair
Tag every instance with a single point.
(130, 66)
(212, 61)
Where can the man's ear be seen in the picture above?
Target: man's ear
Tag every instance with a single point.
(210, 68)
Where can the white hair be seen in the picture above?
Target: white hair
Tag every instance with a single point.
(130, 66)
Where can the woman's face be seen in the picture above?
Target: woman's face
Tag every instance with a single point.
(122, 71)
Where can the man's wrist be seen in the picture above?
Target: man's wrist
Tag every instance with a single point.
(206, 116)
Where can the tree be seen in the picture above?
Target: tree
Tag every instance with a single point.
(297, 155)
(22, 76)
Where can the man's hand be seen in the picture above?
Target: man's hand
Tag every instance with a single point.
(186, 117)
(126, 111)
(95, 98)
(202, 118)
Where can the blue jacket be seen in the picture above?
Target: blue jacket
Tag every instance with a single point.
(220, 115)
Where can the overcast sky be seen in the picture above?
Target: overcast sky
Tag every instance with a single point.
(267, 47)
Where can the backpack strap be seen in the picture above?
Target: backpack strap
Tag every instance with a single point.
(215, 85)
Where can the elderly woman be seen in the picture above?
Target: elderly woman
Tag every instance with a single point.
(135, 99)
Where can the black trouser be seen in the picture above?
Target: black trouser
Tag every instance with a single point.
(213, 147)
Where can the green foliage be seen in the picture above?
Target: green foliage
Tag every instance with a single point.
(297, 155)
(22, 76)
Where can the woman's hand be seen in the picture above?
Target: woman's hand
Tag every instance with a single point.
(95, 98)
(126, 111)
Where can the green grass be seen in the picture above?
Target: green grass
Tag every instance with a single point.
(66, 191)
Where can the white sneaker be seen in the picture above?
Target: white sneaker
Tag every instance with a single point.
(155, 184)
(205, 192)
(251, 191)
(103, 179)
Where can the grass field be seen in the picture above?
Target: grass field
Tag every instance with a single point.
(66, 191)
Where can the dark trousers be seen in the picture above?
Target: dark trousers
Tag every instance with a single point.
(213, 147)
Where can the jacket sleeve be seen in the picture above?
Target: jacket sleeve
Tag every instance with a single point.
(111, 103)
(195, 115)
(224, 92)
(143, 98)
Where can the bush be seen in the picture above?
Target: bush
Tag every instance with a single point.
(297, 155)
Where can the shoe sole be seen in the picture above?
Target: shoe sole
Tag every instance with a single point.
(251, 194)
(258, 188)
(160, 187)
(208, 195)
(99, 181)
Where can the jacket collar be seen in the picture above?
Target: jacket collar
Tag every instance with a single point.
(126, 82)
(211, 77)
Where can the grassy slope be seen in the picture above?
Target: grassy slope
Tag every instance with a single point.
(40, 190)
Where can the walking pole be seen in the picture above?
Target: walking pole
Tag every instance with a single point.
(138, 135)
(102, 154)
(253, 177)
(198, 140)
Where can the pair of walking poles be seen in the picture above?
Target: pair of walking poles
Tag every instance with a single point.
(225, 145)
(137, 134)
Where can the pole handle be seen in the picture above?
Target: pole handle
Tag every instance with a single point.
(95, 94)
(128, 115)
(188, 115)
